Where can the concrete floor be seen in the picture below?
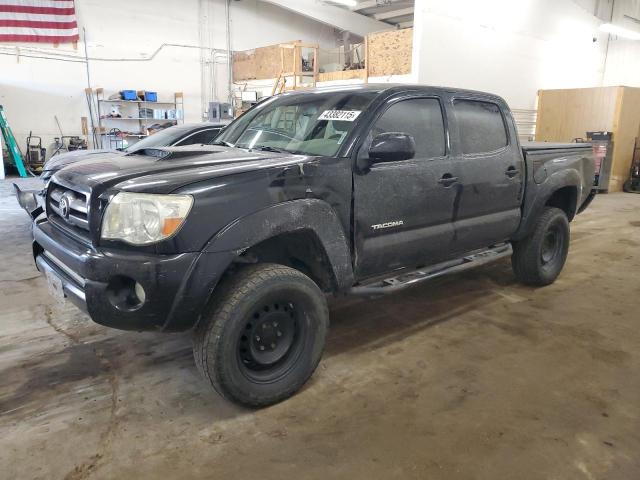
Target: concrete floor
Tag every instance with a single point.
(469, 377)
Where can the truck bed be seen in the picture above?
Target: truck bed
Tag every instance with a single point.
(541, 147)
(554, 156)
(546, 159)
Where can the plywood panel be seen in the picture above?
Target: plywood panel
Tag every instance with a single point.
(625, 130)
(342, 75)
(261, 63)
(567, 114)
(389, 52)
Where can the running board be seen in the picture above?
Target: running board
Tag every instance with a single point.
(404, 280)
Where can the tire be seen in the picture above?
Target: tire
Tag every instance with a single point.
(263, 334)
(538, 259)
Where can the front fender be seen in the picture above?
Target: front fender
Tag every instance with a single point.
(28, 200)
(304, 214)
(537, 196)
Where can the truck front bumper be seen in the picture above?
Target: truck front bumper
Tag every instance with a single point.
(125, 289)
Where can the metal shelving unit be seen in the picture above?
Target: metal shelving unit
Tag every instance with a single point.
(107, 123)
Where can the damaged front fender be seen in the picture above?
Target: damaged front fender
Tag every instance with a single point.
(28, 200)
(292, 216)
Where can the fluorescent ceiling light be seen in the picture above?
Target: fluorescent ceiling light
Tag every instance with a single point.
(348, 3)
(620, 31)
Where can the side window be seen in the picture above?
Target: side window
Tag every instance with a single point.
(420, 118)
(481, 126)
(204, 136)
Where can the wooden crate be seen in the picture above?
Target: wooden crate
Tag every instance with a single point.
(261, 63)
(570, 113)
(389, 52)
(341, 75)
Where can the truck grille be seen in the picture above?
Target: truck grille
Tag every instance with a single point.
(68, 209)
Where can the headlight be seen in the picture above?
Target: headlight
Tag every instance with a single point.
(142, 218)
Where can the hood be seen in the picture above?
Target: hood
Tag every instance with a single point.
(58, 161)
(163, 170)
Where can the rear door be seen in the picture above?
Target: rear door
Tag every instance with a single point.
(489, 171)
(402, 213)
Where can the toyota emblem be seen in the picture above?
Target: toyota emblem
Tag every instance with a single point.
(64, 206)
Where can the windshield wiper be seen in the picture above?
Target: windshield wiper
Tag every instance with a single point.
(223, 143)
(262, 148)
(266, 148)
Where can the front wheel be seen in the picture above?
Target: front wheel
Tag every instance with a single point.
(263, 336)
(539, 258)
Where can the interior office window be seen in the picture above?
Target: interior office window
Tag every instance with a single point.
(420, 118)
(481, 126)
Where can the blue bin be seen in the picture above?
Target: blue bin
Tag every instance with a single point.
(150, 96)
(129, 95)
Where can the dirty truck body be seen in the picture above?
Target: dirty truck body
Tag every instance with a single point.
(359, 190)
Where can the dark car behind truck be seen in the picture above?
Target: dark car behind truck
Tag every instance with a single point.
(361, 190)
(177, 135)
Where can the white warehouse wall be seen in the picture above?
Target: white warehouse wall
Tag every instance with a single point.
(623, 57)
(33, 90)
(511, 48)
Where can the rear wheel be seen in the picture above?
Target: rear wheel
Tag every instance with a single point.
(539, 258)
(263, 336)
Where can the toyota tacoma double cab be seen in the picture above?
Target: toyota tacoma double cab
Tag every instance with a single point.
(357, 190)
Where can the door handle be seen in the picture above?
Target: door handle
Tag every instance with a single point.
(512, 172)
(447, 180)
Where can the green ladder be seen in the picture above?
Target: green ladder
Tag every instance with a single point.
(10, 140)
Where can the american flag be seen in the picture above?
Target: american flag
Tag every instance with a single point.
(45, 21)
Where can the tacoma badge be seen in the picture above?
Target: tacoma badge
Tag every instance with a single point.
(395, 223)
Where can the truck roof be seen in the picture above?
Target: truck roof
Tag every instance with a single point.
(392, 88)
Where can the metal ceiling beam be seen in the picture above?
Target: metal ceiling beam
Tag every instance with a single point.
(394, 13)
(365, 4)
(334, 16)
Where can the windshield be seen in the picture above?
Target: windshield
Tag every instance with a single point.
(312, 124)
(163, 138)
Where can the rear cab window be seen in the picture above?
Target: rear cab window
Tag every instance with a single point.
(481, 125)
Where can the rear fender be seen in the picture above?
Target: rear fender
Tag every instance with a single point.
(538, 195)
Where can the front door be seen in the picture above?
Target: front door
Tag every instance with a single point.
(403, 209)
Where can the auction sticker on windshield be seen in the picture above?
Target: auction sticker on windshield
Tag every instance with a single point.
(342, 115)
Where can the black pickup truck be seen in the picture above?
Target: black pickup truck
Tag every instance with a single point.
(352, 190)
